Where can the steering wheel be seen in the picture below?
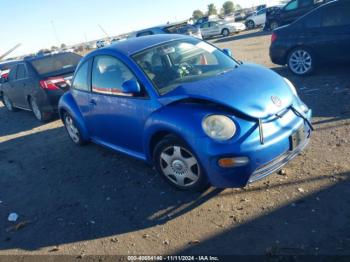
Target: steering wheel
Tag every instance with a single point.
(187, 69)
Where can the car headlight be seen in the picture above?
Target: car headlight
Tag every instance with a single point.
(291, 86)
(219, 127)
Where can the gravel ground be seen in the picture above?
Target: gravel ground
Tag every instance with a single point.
(88, 200)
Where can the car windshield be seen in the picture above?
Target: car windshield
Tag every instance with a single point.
(50, 64)
(182, 61)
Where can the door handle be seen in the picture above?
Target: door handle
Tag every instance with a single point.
(93, 102)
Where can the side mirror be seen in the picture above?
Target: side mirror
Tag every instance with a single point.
(227, 51)
(131, 87)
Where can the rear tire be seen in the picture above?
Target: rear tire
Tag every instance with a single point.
(225, 32)
(250, 24)
(301, 61)
(8, 103)
(274, 24)
(178, 165)
(73, 129)
(38, 113)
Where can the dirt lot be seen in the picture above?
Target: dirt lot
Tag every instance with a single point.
(89, 200)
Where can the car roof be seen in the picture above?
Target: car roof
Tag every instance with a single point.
(134, 45)
(9, 63)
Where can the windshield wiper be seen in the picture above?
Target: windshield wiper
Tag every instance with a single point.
(225, 71)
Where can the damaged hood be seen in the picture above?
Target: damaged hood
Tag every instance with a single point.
(250, 89)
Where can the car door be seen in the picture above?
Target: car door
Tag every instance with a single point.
(214, 28)
(81, 88)
(19, 86)
(116, 119)
(7, 86)
(260, 17)
(205, 30)
(335, 28)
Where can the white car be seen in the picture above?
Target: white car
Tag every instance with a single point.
(214, 28)
(256, 19)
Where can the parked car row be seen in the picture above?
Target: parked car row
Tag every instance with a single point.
(279, 15)
(320, 37)
(175, 28)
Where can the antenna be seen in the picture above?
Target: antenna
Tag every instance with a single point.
(10, 51)
(55, 32)
(104, 31)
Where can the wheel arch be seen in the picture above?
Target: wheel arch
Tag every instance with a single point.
(171, 120)
(225, 28)
(68, 105)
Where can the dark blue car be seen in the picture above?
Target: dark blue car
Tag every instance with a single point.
(188, 108)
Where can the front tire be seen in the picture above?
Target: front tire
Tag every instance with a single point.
(225, 32)
(8, 103)
(176, 162)
(301, 61)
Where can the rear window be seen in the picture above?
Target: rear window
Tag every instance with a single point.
(61, 62)
(144, 33)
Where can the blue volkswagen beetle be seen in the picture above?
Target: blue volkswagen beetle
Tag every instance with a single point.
(188, 108)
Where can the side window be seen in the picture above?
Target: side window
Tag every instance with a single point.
(80, 81)
(144, 33)
(292, 5)
(205, 25)
(261, 12)
(336, 15)
(108, 75)
(21, 72)
(12, 74)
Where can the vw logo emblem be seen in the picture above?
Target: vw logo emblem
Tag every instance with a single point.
(276, 100)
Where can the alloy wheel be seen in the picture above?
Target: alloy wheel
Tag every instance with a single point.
(225, 32)
(8, 103)
(35, 109)
(274, 25)
(250, 24)
(179, 166)
(72, 129)
(300, 62)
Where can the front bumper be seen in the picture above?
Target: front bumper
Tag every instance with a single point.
(264, 159)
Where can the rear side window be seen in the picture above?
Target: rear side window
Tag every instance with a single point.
(51, 64)
(336, 15)
(21, 72)
(144, 33)
(80, 81)
(12, 74)
(108, 75)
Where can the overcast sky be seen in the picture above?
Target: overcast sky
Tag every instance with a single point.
(30, 22)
